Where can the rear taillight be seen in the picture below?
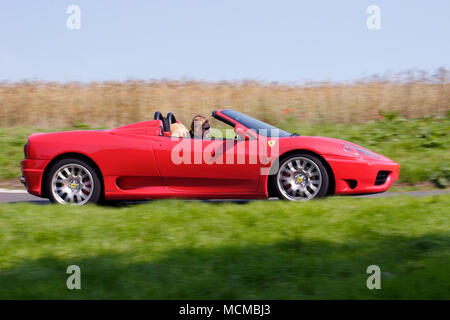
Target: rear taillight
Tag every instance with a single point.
(25, 151)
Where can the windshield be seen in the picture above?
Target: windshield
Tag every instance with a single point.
(259, 127)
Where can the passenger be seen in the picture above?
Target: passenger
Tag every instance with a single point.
(179, 130)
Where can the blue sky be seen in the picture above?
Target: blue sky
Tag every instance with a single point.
(286, 41)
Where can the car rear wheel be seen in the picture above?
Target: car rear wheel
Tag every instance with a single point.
(73, 181)
(301, 177)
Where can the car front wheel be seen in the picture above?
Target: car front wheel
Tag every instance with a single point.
(301, 177)
(73, 181)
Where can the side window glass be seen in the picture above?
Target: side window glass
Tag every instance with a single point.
(220, 130)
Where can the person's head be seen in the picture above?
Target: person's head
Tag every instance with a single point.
(199, 127)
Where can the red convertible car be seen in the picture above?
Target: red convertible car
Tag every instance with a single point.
(146, 160)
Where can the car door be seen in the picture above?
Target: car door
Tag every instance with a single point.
(207, 165)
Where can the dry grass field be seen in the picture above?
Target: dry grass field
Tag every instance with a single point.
(412, 94)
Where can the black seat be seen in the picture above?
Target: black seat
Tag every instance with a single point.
(158, 116)
(171, 118)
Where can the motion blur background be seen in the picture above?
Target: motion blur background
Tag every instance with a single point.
(311, 67)
(316, 61)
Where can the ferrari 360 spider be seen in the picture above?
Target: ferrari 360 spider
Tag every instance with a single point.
(146, 160)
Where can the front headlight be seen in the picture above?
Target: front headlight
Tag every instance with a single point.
(359, 152)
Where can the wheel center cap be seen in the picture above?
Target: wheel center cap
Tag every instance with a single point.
(73, 185)
(300, 179)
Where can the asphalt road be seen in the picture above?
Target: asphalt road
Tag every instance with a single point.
(17, 196)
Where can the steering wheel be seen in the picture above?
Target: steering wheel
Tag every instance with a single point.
(171, 118)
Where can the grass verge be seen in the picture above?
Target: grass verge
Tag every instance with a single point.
(196, 250)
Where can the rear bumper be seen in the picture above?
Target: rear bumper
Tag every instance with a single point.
(358, 176)
(32, 171)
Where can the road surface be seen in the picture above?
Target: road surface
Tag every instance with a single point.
(16, 196)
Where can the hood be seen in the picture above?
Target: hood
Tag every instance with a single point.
(334, 147)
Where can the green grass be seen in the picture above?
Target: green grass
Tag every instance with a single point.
(12, 141)
(196, 250)
(422, 147)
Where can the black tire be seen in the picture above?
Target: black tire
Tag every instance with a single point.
(97, 191)
(276, 187)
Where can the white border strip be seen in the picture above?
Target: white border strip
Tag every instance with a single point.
(12, 191)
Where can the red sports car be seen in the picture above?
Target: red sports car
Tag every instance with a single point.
(147, 160)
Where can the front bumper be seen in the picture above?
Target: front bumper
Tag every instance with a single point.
(358, 176)
(32, 171)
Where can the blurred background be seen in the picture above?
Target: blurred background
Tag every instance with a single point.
(412, 94)
(107, 63)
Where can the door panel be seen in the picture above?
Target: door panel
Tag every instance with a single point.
(207, 166)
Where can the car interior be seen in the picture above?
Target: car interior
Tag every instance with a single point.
(173, 128)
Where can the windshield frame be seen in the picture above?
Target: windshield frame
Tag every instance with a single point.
(250, 123)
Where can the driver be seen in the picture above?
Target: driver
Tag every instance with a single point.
(199, 127)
